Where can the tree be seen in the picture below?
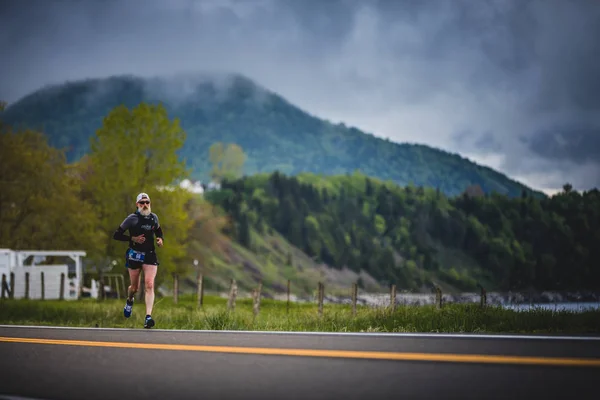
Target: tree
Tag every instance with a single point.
(39, 200)
(136, 151)
(227, 161)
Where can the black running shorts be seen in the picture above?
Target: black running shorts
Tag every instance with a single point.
(149, 258)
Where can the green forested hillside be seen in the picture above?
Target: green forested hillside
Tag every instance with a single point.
(413, 236)
(274, 134)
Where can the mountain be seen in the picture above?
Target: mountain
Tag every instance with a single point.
(274, 134)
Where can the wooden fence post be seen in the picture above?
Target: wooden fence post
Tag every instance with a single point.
(175, 288)
(483, 301)
(43, 286)
(11, 294)
(4, 286)
(256, 299)
(393, 298)
(102, 294)
(288, 297)
(117, 286)
(200, 289)
(438, 297)
(27, 285)
(320, 297)
(232, 296)
(62, 286)
(354, 296)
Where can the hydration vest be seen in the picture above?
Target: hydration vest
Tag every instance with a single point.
(145, 225)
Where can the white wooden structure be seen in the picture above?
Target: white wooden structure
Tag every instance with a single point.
(12, 264)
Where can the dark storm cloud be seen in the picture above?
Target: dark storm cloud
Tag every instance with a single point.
(571, 142)
(512, 84)
(569, 57)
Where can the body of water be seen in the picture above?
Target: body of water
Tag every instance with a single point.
(571, 306)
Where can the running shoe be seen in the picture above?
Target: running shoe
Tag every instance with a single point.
(128, 308)
(149, 322)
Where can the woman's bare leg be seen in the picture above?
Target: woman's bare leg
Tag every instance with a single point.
(149, 275)
(134, 278)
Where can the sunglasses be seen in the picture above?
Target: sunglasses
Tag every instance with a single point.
(144, 202)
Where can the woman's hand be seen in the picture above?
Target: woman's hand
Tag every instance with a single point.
(139, 239)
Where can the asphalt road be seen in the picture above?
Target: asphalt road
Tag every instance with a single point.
(71, 363)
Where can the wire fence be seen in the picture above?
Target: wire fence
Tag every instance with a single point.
(114, 286)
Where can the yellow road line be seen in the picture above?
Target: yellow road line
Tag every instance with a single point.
(376, 355)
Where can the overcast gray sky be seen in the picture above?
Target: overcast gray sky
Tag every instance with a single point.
(513, 84)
